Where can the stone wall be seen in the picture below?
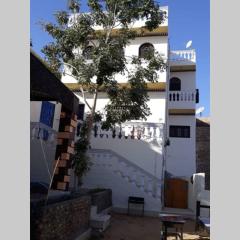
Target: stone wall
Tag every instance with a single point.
(203, 149)
(63, 220)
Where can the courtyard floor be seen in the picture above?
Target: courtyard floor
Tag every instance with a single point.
(124, 227)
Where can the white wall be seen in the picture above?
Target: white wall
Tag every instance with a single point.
(156, 104)
(147, 156)
(188, 80)
(42, 152)
(42, 155)
(103, 177)
(181, 154)
(198, 193)
(160, 44)
(124, 178)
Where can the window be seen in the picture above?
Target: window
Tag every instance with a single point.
(87, 52)
(179, 131)
(175, 84)
(146, 50)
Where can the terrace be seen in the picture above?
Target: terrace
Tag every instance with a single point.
(124, 227)
(183, 60)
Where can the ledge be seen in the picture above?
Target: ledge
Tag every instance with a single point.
(183, 68)
(181, 112)
(151, 87)
(141, 31)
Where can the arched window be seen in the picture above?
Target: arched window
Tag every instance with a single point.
(87, 52)
(146, 50)
(175, 84)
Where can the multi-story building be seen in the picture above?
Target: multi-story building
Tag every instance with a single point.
(139, 157)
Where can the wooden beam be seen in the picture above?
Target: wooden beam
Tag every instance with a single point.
(181, 112)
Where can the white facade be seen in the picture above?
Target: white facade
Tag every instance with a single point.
(134, 167)
(43, 149)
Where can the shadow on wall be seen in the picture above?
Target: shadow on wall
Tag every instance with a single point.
(146, 155)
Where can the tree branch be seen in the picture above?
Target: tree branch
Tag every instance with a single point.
(84, 98)
(72, 67)
(69, 75)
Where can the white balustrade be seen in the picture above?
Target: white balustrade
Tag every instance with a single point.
(133, 178)
(126, 172)
(142, 182)
(130, 173)
(179, 96)
(182, 55)
(131, 130)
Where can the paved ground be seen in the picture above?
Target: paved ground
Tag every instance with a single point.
(125, 227)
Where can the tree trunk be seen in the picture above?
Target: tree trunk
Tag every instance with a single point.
(91, 117)
(90, 122)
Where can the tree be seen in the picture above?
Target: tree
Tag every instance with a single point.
(94, 58)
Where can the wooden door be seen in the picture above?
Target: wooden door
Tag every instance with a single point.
(176, 193)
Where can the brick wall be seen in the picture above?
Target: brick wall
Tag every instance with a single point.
(203, 149)
(60, 221)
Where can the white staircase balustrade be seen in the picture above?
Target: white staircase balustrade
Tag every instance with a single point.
(126, 170)
(129, 161)
(134, 178)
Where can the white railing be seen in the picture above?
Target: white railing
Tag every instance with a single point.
(179, 96)
(183, 55)
(131, 130)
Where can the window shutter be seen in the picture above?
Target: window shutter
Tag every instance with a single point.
(47, 113)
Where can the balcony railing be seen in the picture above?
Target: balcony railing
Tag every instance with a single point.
(179, 96)
(183, 55)
(131, 130)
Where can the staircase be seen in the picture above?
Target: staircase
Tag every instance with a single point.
(128, 160)
(111, 170)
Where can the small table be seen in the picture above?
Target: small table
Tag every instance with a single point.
(172, 221)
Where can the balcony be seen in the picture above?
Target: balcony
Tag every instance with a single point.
(183, 60)
(182, 99)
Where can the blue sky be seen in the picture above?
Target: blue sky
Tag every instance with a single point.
(188, 20)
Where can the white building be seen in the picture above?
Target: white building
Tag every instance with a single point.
(134, 163)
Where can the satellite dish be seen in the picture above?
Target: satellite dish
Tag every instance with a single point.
(189, 44)
(200, 110)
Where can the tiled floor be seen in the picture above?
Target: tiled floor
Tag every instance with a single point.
(125, 227)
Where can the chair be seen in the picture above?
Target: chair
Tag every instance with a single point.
(136, 200)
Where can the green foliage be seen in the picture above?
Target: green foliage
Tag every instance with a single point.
(80, 160)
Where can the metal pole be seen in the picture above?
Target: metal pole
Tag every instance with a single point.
(166, 126)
